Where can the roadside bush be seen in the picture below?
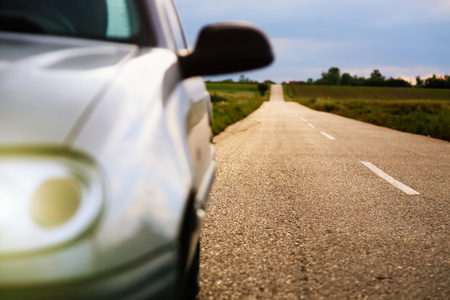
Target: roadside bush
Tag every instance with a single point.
(262, 88)
(217, 98)
(232, 102)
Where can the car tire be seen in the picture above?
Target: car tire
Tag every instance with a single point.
(192, 281)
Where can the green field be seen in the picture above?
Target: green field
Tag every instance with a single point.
(232, 102)
(415, 110)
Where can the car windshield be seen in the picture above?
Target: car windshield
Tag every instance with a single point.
(117, 20)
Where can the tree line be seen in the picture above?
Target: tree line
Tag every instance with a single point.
(435, 82)
(263, 87)
(334, 77)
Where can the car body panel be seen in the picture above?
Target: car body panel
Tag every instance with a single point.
(130, 282)
(150, 144)
(148, 131)
(49, 82)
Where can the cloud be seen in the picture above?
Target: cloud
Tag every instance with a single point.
(305, 49)
(433, 10)
(239, 8)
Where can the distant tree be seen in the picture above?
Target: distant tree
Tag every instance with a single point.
(431, 82)
(321, 81)
(242, 78)
(435, 82)
(419, 81)
(284, 83)
(262, 88)
(331, 77)
(376, 79)
(376, 74)
(346, 79)
(268, 81)
(391, 82)
(357, 81)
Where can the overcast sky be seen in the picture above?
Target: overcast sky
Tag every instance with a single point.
(401, 38)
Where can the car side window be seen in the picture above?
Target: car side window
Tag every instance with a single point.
(175, 25)
(118, 19)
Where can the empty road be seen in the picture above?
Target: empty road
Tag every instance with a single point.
(312, 205)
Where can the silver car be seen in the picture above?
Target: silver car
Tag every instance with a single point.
(105, 155)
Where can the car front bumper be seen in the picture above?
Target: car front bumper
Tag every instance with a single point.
(151, 277)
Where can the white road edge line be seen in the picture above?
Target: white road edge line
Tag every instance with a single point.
(327, 135)
(389, 179)
(311, 125)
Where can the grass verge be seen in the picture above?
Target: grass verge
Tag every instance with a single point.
(426, 115)
(231, 102)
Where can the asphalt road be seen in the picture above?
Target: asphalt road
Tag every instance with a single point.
(298, 210)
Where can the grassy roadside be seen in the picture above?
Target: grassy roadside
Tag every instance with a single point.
(232, 102)
(421, 111)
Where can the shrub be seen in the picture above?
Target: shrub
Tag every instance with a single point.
(262, 88)
(217, 98)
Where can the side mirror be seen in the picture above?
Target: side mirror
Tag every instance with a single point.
(227, 48)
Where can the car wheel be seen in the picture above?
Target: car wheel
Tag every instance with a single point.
(192, 280)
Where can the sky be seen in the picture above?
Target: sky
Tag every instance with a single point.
(401, 38)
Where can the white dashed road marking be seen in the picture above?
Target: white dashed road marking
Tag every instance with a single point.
(311, 125)
(327, 135)
(389, 179)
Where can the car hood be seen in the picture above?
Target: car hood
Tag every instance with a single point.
(47, 83)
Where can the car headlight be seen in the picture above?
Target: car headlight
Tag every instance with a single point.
(46, 199)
